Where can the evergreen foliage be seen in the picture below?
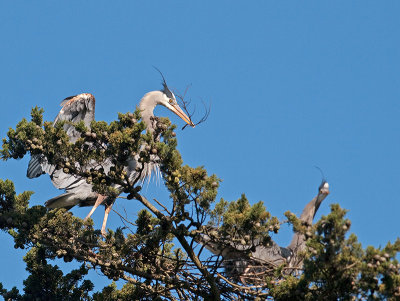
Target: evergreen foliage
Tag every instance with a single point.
(159, 258)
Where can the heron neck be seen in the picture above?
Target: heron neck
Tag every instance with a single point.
(307, 217)
(146, 106)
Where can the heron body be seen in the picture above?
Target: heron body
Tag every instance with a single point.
(298, 243)
(77, 190)
(237, 262)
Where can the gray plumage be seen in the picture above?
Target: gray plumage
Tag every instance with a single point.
(298, 243)
(245, 262)
(74, 109)
(77, 190)
(35, 168)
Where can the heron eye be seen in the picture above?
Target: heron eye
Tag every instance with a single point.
(171, 101)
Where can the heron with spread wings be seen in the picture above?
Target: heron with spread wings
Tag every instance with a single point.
(77, 191)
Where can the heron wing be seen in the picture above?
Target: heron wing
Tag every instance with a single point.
(38, 165)
(74, 109)
(62, 180)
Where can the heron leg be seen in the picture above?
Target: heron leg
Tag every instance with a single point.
(106, 213)
(99, 201)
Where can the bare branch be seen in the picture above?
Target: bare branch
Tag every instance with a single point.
(165, 208)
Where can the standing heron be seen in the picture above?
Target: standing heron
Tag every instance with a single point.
(249, 263)
(298, 243)
(77, 190)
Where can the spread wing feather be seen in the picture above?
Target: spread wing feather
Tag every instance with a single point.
(74, 109)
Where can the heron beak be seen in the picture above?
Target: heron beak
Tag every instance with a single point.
(178, 111)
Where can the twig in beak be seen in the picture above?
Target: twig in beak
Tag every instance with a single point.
(184, 105)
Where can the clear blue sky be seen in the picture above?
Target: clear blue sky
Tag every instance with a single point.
(292, 85)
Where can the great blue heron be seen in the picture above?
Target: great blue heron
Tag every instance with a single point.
(248, 268)
(77, 190)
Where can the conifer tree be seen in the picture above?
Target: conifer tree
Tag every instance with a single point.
(163, 256)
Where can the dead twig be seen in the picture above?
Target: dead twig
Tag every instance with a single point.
(185, 107)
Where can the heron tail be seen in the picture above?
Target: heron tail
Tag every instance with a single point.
(65, 200)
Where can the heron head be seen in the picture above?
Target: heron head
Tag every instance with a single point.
(324, 187)
(168, 100)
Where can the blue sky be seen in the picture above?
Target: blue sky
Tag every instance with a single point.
(292, 85)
